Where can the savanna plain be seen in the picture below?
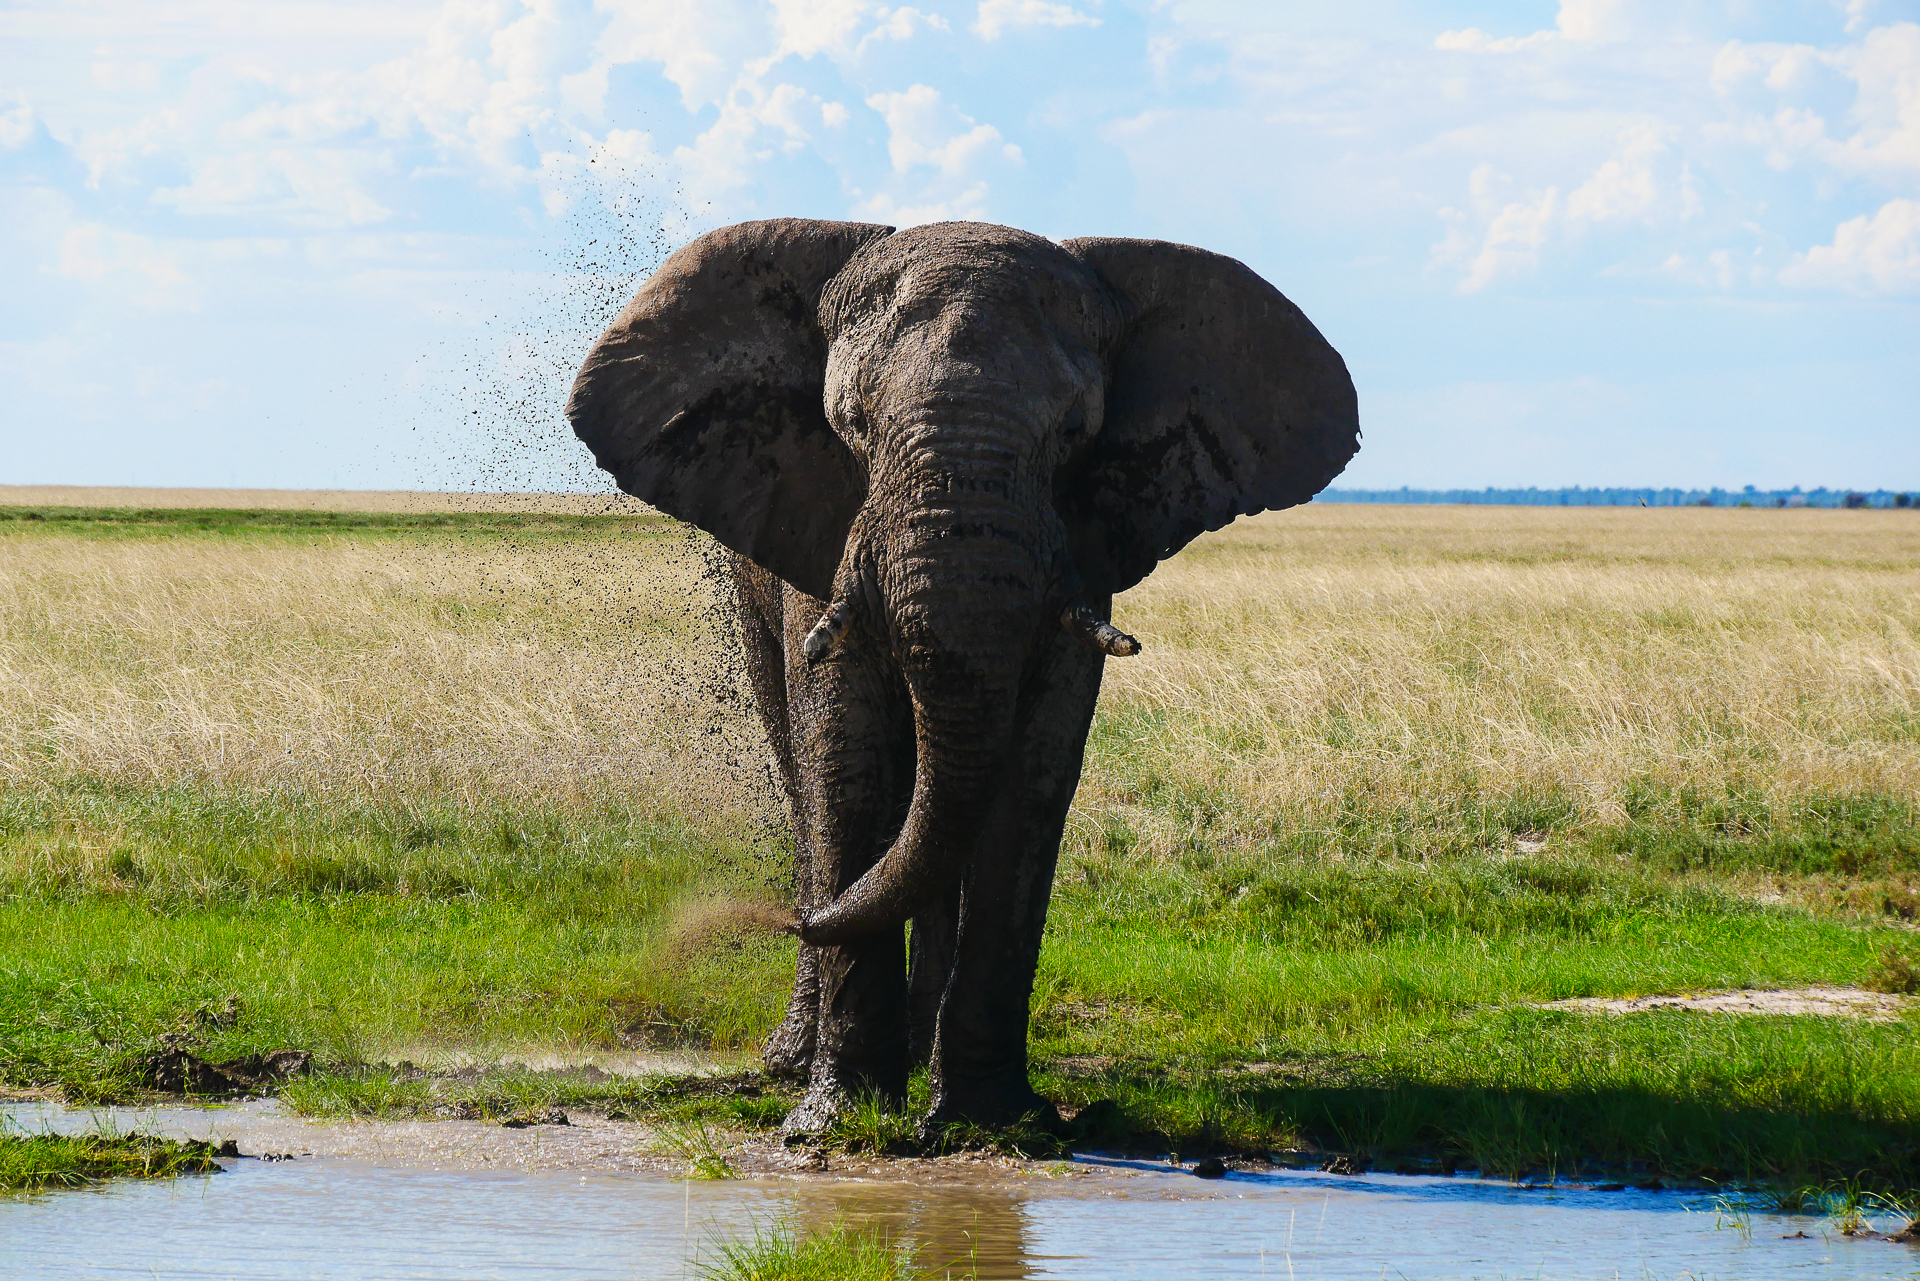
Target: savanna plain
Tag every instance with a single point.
(474, 785)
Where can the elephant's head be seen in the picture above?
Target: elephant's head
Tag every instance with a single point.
(958, 436)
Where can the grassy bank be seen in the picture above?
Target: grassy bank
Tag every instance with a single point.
(33, 1162)
(1383, 781)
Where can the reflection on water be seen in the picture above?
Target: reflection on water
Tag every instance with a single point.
(356, 1218)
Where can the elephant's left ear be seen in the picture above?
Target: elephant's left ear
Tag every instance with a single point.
(704, 397)
(1222, 400)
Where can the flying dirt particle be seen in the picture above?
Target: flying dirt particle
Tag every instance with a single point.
(707, 924)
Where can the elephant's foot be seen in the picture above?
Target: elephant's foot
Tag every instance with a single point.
(1009, 1109)
(789, 1052)
(815, 1116)
(833, 1099)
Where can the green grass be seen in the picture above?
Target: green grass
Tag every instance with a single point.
(1518, 1092)
(837, 1252)
(703, 1149)
(1248, 1000)
(178, 521)
(873, 1127)
(34, 1162)
(349, 932)
(1382, 1006)
(1293, 909)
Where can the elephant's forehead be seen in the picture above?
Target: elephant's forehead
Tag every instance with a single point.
(960, 239)
(937, 328)
(966, 276)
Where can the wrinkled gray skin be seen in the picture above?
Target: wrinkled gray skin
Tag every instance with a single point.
(935, 456)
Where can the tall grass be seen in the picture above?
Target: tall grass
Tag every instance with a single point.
(1352, 681)
(1381, 675)
(558, 664)
(1382, 779)
(1395, 677)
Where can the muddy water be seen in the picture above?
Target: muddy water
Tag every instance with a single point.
(436, 1202)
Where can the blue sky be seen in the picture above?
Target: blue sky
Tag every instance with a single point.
(331, 243)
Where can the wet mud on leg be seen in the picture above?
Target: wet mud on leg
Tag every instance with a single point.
(852, 735)
(929, 964)
(979, 1059)
(761, 606)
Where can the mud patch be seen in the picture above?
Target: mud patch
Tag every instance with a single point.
(177, 1070)
(1821, 1002)
(549, 1141)
(588, 1065)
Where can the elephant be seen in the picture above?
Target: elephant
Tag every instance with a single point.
(933, 456)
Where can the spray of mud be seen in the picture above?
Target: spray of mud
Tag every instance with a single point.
(700, 927)
(670, 691)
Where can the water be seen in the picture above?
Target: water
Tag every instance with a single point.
(445, 1207)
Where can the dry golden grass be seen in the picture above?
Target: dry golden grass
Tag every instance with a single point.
(1299, 660)
(526, 667)
(1294, 664)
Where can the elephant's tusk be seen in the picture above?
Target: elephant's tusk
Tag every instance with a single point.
(1095, 631)
(828, 632)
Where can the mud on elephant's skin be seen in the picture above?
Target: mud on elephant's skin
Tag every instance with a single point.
(934, 456)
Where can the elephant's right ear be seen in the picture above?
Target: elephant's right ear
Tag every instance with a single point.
(704, 397)
(1222, 400)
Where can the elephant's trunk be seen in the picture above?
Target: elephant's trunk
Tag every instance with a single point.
(959, 764)
(969, 578)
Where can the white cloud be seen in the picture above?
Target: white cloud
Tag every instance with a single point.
(808, 27)
(901, 24)
(728, 56)
(756, 123)
(1579, 22)
(126, 77)
(923, 129)
(1776, 92)
(1474, 40)
(309, 186)
(969, 205)
(1514, 237)
(925, 132)
(996, 16)
(1517, 232)
(1886, 67)
(1592, 21)
(630, 149)
(1721, 270)
(17, 125)
(700, 47)
(1624, 186)
(1878, 254)
(712, 48)
(138, 266)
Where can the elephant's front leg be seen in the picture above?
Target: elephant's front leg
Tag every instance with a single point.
(761, 604)
(979, 1062)
(852, 733)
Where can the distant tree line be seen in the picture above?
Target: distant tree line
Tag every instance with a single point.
(1580, 497)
